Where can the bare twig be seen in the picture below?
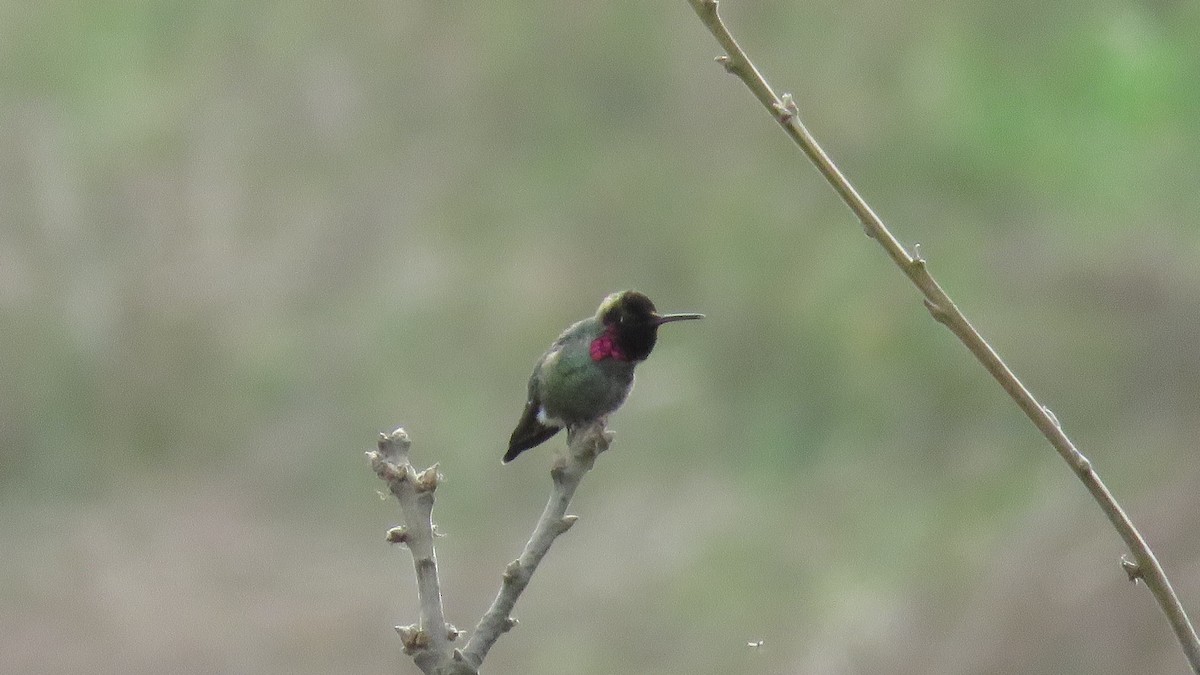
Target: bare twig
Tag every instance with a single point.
(1144, 566)
(568, 470)
(430, 642)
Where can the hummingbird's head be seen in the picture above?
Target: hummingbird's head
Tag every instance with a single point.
(632, 321)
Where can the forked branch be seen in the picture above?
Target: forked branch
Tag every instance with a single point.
(430, 641)
(783, 108)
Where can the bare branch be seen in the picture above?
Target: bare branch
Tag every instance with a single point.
(568, 470)
(1144, 566)
(430, 643)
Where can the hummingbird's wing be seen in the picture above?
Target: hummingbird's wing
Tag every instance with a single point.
(529, 432)
(531, 429)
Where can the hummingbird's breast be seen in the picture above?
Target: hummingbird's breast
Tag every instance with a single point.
(577, 389)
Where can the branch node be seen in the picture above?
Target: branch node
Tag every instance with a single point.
(727, 64)
(397, 535)
(558, 470)
(452, 633)
(938, 313)
(785, 109)
(391, 472)
(605, 440)
(512, 570)
(427, 480)
(1052, 416)
(413, 638)
(566, 523)
(1132, 569)
(388, 465)
(917, 258)
(1083, 465)
(395, 443)
(509, 624)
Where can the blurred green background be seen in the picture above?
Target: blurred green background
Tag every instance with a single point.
(238, 239)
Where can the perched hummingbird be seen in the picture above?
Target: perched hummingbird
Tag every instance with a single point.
(588, 371)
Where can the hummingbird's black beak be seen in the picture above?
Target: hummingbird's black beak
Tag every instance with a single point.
(668, 318)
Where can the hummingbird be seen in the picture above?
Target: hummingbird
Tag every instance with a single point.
(588, 371)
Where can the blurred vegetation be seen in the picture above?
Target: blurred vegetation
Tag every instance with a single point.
(240, 238)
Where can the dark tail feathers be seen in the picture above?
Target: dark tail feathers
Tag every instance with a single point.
(529, 433)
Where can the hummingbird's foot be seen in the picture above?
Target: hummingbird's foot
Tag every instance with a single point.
(592, 440)
(584, 443)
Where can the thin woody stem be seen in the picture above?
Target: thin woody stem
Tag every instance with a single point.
(1144, 566)
(568, 470)
(430, 641)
